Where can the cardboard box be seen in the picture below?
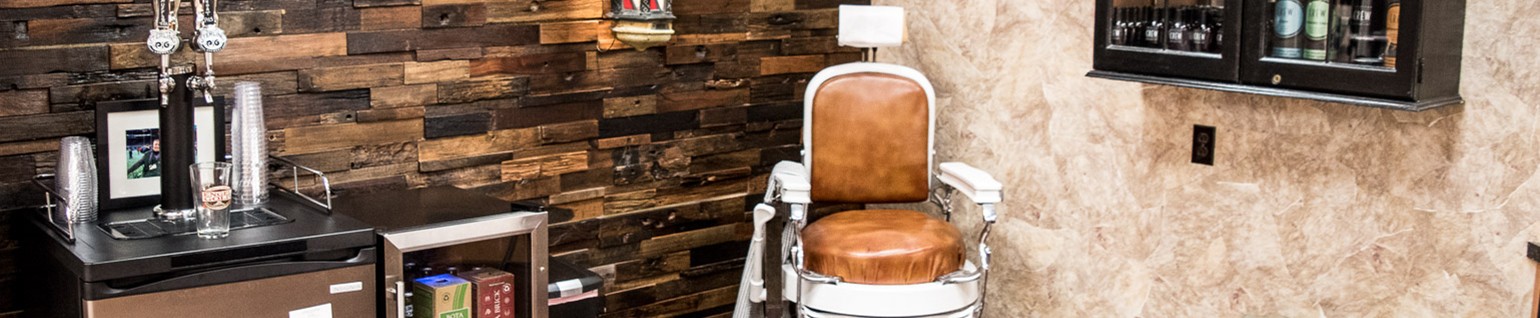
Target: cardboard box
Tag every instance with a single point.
(494, 292)
(441, 296)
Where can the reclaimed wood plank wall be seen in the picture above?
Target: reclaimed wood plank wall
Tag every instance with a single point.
(658, 152)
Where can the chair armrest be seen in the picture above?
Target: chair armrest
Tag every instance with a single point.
(753, 283)
(790, 178)
(978, 185)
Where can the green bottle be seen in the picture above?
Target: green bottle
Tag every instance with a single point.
(1317, 21)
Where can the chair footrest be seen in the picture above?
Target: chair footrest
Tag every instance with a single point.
(932, 299)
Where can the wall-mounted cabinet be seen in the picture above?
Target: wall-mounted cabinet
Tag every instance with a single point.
(1402, 54)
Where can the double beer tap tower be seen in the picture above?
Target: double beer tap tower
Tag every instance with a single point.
(178, 85)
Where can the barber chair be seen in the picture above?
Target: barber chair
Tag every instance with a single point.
(868, 137)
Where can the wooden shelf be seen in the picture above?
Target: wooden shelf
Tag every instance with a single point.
(1281, 92)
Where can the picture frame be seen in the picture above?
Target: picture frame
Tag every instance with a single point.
(127, 133)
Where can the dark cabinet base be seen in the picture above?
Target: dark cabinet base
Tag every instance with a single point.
(1281, 92)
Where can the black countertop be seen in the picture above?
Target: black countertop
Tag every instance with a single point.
(96, 256)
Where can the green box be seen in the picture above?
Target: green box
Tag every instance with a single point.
(442, 296)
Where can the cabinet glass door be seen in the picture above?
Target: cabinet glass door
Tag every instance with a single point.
(1168, 27)
(1357, 33)
(1179, 38)
(1345, 46)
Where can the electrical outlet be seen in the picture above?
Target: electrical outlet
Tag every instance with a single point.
(1203, 144)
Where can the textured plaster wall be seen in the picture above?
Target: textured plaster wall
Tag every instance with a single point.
(1312, 209)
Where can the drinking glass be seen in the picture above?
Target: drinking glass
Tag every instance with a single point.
(212, 192)
(75, 179)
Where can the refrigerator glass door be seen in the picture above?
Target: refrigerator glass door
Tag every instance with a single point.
(513, 242)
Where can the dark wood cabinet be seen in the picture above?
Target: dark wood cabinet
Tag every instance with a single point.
(1331, 50)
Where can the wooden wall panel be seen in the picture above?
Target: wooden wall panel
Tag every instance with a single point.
(8, 4)
(656, 151)
(515, 11)
(349, 77)
(23, 102)
(44, 60)
(454, 15)
(569, 32)
(390, 18)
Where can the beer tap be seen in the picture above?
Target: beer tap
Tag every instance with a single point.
(208, 39)
(176, 112)
(164, 40)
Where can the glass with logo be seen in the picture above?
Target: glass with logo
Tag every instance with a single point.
(211, 189)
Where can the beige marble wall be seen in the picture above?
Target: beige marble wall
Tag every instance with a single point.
(1312, 209)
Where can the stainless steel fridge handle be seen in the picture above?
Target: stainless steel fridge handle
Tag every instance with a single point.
(400, 299)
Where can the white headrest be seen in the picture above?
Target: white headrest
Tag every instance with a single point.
(871, 26)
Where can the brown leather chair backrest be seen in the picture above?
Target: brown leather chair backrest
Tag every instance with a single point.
(870, 139)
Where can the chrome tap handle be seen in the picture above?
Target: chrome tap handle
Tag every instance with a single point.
(166, 83)
(201, 84)
(164, 40)
(208, 78)
(208, 39)
(165, 13)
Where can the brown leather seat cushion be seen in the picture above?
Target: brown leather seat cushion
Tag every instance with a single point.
(882, 247)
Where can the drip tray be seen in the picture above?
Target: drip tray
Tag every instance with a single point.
(153, 228)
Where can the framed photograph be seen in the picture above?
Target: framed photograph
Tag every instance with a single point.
(128, 149)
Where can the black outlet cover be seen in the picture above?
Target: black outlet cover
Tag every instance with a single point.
(1203, 144)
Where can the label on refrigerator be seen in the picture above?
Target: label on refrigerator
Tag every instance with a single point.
(570, 287)
(347, 287)
(322, 311)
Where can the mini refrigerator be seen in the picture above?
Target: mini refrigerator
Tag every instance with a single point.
(442, 230)
(312, 264)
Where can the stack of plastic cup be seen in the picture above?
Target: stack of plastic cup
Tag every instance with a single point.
(75, 180)
(248, 146)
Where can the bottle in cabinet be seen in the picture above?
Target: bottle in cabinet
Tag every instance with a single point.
(1366, 47)
(1119, 32)
(1154, 29)
(1317, 20)
(1392, 31)
(411, 271)
(1176, 31)
(1341, 43)
(1288, 21)
(1136, 27)
(1202, 33)
(1217, 31)
(1138, 17)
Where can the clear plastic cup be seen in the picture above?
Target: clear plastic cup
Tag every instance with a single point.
(248, 137)
(76, 181)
